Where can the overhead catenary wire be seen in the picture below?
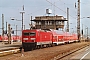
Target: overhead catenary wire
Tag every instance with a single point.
(59, 8)
(68, 5)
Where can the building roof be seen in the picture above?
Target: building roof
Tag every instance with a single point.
(49, 18)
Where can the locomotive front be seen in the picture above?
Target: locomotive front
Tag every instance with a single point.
(28, 39)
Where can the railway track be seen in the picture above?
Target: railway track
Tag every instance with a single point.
(9, 50)
(52, 53)
(61, 56)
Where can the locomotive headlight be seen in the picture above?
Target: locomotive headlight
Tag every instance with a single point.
(33, 38)
(25, 38)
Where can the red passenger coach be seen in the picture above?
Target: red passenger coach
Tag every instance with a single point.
(57, 37)
(75, 38)
(32, 39)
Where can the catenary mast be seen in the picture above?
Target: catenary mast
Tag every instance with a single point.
(78, 20)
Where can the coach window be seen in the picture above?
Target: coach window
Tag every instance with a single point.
(26, 34)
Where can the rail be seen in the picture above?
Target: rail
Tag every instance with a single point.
(68, 53)
(8, 52)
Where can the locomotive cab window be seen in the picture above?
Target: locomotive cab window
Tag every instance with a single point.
(26, 34)
(32, 33)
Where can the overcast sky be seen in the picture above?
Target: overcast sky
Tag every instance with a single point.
(12, 8)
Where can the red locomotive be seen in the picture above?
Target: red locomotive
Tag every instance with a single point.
(37, 38)
(32, 39)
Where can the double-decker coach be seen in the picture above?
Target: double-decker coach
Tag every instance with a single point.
(57, 37)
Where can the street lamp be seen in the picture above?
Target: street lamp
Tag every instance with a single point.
(22, 12)
(18, 20)
(12, 18)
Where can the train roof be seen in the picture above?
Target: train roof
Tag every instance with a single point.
(57, 32)
(60, 32)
